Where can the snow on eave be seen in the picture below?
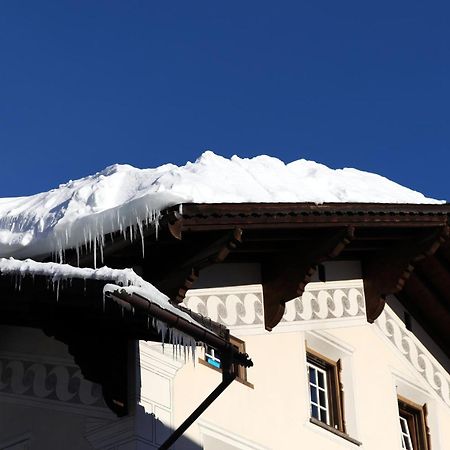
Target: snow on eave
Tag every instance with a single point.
(124, 199)
(116, 279)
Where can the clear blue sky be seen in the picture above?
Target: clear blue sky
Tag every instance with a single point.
(85, 84)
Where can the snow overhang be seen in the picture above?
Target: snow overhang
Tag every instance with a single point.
(403, 249)
(97, 319)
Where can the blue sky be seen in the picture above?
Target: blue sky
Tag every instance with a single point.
(85, 84)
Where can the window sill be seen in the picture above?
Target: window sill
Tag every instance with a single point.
(334, 431)
(240, 380)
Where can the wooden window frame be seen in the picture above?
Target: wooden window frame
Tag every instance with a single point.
(416, 418)
(241, 371)
(334, 389)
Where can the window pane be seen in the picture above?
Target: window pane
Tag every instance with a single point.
(315, 411)
(323, 415)
(406, 436)
(213, 362)
(322, 398)
(312, 375)
(313, 391)
(319, 395)
(403, 424)
(321, 379)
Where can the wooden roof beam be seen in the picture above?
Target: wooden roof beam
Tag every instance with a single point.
(284, 277)
(387, 271)
(434, 273)
(180, 279)
(426, 309)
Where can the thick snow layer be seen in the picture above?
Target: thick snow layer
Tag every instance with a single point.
(116, 279)
(124, 198)
(124, 280)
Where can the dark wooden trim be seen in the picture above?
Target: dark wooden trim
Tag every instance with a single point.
(202, 217)
(335, 391)
(285, 276)
(180, 279)
(415, 415)
(387, 271)
(241, 371)
(334, 431)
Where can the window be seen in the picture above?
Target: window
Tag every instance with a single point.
(413, 428)
(212, 359)
(325, 391)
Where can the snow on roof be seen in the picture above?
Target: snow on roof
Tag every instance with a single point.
(81, 212)
(120, 280)
(115, 279)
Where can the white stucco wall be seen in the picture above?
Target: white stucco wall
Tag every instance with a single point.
(275, 413)
(46, 404)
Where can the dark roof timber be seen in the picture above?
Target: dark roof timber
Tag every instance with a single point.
(290, 239)
(97, 332)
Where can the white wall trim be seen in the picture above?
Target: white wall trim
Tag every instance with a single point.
(414, 353)
(53, 383)
(210, 429)
(331, 304)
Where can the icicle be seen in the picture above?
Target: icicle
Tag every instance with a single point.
(95, 252)
(141, 231)
(131, 233)
(77, 251)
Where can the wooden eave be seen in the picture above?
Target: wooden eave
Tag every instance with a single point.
(289, 240)
(96, 331)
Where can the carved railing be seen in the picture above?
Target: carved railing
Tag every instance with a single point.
(415, 353)
(322, 305)
(233, 307)
(331, 301)
(61, 383)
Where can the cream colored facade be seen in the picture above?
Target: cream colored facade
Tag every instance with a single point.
(46, 404)
(379, 362)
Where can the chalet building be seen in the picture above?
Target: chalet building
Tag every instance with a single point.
(343, 310)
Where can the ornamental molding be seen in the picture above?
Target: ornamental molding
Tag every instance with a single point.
(415, 353)
(327, 304)
(235, 307)
(323, 305)
(55, 384)
(207, 428)
(135, 431)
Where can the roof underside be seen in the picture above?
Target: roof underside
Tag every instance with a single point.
(403, 248)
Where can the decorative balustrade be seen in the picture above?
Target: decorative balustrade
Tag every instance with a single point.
(415, 352)
(322, 305)
(21, 378)
(332, 301)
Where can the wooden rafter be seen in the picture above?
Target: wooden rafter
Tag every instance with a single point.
(181, 278)
(387, 271)
(285, 277)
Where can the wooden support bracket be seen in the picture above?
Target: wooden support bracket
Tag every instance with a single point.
(182, 278)
(285, 277)
(387, 272)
